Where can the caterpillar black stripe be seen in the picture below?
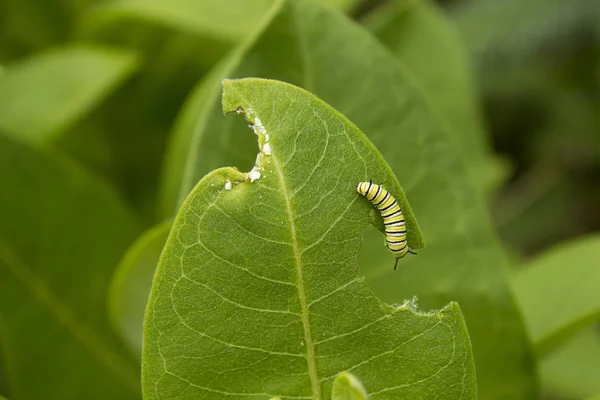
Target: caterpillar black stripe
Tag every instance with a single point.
(393, 220)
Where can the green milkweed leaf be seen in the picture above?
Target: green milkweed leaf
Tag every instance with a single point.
(41, 96)
(62, 233)
(463, 260)
(223, 21)
(226, 20)
(430, 46)
(571, 370)
(256, 293)
(130, 285)
(560, 292)
(347, 387)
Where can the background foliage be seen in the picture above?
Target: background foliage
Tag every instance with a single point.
(103, 102)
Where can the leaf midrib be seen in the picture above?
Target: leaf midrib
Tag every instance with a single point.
(304, 312)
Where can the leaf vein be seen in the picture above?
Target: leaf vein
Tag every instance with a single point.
(368, 360)
(321, 158)
(237, 304)
(424, 379)
(249, 231)
(334, 291)
(338, 219)
(341, 335)
(229, 393)
(215, 255)
(225, 343)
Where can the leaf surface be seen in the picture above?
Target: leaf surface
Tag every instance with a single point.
(43, 95)
(462, 261)
(256, 293)
(560, 292)
(130, 286)
(61, 235)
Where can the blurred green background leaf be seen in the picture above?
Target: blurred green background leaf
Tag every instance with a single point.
(423, 39)
(115, 90)
(42, 96)
(61, 235)
(571, 371)
(560, 292)
(130, 286)
(228, 21)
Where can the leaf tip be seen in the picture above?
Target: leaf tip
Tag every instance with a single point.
(228, 107)
(225, 82)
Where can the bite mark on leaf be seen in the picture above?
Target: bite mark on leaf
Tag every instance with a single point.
(264, 146)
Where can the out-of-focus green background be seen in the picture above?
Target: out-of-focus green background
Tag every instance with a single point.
(124, 68)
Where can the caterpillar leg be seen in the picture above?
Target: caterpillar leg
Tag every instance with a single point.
(409, 251)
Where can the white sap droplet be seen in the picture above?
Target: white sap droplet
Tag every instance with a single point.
(267, 149)
(254, 174)
(258, 127)
(228, 184)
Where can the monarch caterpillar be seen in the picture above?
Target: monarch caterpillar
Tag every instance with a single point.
(393, 220)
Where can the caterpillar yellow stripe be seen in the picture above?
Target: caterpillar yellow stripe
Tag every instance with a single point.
(393, 220)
